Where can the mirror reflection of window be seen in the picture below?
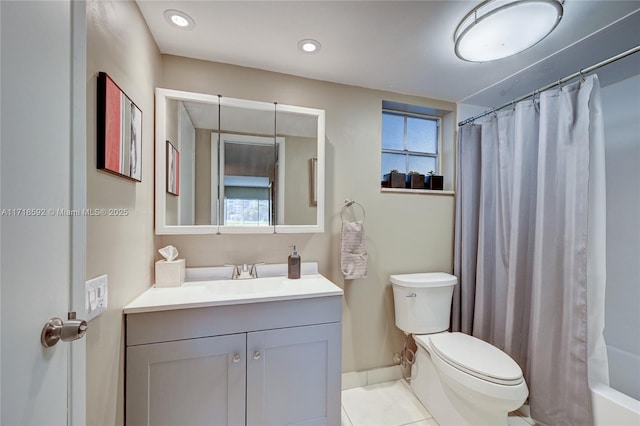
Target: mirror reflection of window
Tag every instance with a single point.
(248, 172)
(247, 201)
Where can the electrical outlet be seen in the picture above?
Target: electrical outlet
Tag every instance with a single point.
(96, 296)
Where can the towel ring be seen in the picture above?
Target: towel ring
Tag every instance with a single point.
(349, 203)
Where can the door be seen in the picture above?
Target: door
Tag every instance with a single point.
(309, 358)
(187, 382)
(42, 169)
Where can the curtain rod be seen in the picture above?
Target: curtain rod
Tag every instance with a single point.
(557, 83)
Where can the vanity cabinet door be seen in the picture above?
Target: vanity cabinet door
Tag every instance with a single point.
(294, 376)
(187, 382)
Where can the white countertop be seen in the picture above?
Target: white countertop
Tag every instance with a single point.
(204, 294)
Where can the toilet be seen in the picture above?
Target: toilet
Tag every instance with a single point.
(461, 380)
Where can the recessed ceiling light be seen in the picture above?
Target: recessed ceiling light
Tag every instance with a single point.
(497, 29)
(309, 45)
(179, 19)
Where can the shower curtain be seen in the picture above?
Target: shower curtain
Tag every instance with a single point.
(529, 244)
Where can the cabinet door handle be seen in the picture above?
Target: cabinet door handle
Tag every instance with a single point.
(236, 358)
(256, 355)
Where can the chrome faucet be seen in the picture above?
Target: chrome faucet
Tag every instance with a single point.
(245, 271)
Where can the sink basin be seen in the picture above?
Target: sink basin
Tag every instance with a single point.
(215, 273)
(242, 287)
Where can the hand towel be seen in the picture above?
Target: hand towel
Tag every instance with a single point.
(353, 250)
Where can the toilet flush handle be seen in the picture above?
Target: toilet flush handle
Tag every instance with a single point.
(411, 295)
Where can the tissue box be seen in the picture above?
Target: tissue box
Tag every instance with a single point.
(170, 273)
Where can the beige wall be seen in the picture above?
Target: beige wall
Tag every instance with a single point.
(405, 232)
(203, 177)
(119, 44)
(171, 213)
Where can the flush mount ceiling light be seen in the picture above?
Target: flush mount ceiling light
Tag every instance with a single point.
(309, 45)
(179, 19)
(497, 29)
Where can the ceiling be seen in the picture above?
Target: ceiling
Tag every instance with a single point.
(252, 121)
(399, 46)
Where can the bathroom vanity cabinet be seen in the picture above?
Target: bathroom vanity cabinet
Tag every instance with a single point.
(269, 363)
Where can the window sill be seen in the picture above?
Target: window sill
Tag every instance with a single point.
(417, 191)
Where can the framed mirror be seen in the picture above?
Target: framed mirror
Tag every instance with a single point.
(237, 166)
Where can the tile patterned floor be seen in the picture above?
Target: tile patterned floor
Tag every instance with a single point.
(393, 404)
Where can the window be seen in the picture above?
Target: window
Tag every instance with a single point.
(247, 201)
(410, 142)
(246, 212)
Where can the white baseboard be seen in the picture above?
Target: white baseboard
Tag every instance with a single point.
(374, 376)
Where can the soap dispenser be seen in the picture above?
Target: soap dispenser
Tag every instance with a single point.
(294, 264)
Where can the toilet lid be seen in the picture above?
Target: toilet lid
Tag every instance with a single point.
(424, 279)
(477, 358)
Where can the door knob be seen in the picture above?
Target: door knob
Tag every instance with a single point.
(55, 329)
(256, 355)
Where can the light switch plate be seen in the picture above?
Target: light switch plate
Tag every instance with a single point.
(96, 296)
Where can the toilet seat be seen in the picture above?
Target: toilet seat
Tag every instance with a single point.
(473, 356)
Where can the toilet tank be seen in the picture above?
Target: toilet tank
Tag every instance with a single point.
(423, 301)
